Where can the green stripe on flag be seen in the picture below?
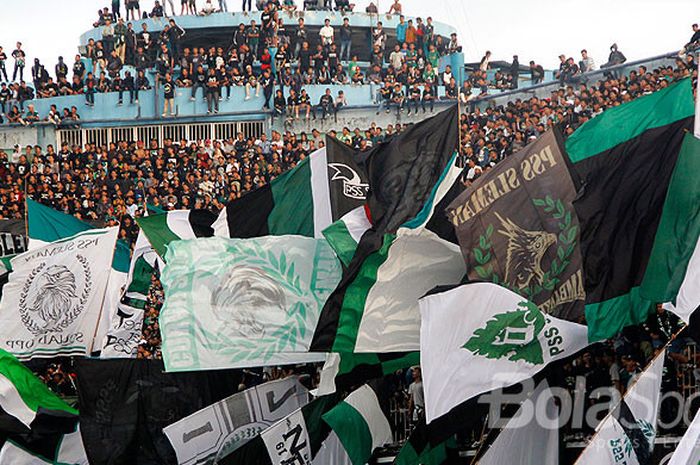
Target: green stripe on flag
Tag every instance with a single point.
(679, 228)
(606, 319)
(633, 118)
(156, 228)
(352, 431)
(33, 392)
(356, 298)
(430, 456)
(341, 241)
(141, 279)
(293, 211)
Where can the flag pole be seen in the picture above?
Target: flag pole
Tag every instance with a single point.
(104, 298)
(612, 410)
(26, 210)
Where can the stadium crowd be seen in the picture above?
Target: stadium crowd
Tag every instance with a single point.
(113, 185)
(260, 56)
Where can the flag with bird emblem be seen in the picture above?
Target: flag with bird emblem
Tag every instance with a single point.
(517, 227)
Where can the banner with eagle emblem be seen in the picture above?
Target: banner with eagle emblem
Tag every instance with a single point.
(54, 296)
(478, 337)
(517, 227)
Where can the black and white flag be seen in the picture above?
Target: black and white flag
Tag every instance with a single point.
(216, 431)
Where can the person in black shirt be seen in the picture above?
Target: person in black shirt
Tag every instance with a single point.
(414, 95)
(169, 95)
(200, 79)
(279, 103)
(305, 103)
(79, 68)
(212, 83)
(129, 85)
(325, 104)
(345, 40)
(3, 70)
(20, 60)
(429, 97)
(268, 85)
(61, 69)
(5, 95)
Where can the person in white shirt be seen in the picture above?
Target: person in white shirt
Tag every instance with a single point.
(587, 63)
(326, 34)
(447, 75)
(396, 58)
(416, 397)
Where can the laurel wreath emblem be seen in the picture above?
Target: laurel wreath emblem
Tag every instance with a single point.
(287, 335)
(70, 316)
(566, 244)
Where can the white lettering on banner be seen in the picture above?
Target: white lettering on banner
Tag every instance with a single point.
(288, 442)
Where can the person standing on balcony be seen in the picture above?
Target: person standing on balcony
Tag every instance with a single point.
(169, 96)
(120, 39)
(514, 72)
(326, 34)
(115, 9)
(401, 30)
(379, 37)
(108, 36)
(345, 40)
(249, 3)
(130, 46)
(3, 70)
(20, 60)
(212, 92)
(395, 8)
(536, 73)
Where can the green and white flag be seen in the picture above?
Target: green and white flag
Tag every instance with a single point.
(66, 449)
(626, 435)
(52, 302)
(480, 336)
(47, 225)
(360, 424)
(688, 450)
(125, 329)
(177, 225)
(24, 398)
(233, 303)
(377, 311)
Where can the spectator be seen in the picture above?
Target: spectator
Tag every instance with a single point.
(379, 36)
(395, 8)
(3, 69)
(485, 61)
(325, 104)
(169, 96)
(132, 7)
(345, 40)
(615, 58)
(326, 33)
(247, 5)
(20, 60)
(536, 73)
(212, 92)
(416, 400)
(129, 85)
(587, 64)
(514, 72)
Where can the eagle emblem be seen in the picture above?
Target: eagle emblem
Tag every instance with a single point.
(56, 295)
(353, 187)
(53, 297)
(524, 253)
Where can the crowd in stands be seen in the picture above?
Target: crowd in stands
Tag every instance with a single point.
(261, 55)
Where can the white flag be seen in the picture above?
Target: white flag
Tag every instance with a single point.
(478, 337)
(688, 298)
(514, 445)
(688, 450)
(218, 430)
(627, 435)
(52, 302)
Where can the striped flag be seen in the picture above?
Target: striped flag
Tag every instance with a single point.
(319, 190)
(627, 434)
(372, 311)
(360, 423)
(638, 205)
(162, 229)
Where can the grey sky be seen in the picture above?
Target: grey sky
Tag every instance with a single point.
(533, 29)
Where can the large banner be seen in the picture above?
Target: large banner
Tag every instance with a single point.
(236, 303)
(218, 430)
(13, 237)
(517, 227)
(52, 301)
